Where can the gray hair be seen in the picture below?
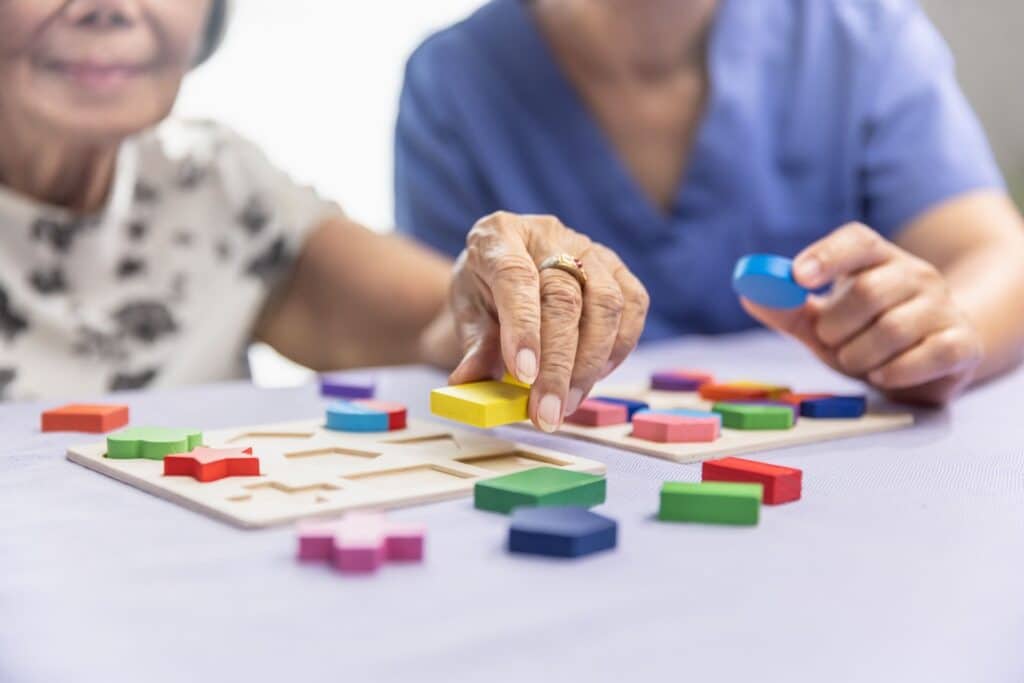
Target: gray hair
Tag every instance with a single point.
(216, 27)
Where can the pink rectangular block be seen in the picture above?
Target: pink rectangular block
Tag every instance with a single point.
(316, 541)
(405, 542)
(359, 558)
(675, 428)
(595, 413)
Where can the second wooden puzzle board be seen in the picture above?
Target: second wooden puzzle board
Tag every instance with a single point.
(732, 441)
(307, 470)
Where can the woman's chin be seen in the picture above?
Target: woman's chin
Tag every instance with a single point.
(94, 115)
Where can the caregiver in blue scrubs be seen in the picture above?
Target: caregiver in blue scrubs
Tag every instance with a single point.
(686, 133)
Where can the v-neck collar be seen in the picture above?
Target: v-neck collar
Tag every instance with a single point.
(518, 42)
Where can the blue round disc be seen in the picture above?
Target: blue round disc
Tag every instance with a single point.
(768, 280)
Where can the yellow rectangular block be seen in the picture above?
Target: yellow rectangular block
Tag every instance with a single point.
(481, 404)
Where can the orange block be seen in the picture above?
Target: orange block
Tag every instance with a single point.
(741, 391)
(84, 417)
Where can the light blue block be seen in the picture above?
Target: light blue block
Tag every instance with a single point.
(685, 412)
(768, 280)
(344, 416)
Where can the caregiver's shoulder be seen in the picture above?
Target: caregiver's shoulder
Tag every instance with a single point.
(865, 22)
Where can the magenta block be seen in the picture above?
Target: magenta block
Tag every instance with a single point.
(679, 380)
(316, 541)
(405, 544)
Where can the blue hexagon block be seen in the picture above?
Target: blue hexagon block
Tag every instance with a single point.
(768, 280)
(560, 532)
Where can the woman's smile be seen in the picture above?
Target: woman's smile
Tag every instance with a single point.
(99, 77)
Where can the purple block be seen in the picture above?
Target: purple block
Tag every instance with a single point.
(347, 385)
(661, 381)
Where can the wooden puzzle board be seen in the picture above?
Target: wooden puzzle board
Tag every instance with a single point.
(311, 471)
(733, 441)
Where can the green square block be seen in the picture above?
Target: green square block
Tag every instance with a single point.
(539, 486)
(710, 502)
(744, 416)
(152, 443)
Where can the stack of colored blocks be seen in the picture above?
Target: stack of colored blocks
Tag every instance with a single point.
(366, 416)
(481, 404)
(731, 492)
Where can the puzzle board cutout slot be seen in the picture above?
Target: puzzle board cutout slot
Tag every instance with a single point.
(515, 461)
(271, 436)
(276, 492)
(421, 476)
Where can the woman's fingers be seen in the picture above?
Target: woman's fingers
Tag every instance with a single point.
(497, 255)
(857, 301)
(555, 333)
(845, 251)
(600, 325)
(895, 331)
(561, 306)
(635, 304)
(946, 353)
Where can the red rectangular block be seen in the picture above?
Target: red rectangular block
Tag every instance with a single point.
(594, 413)
(81, 417)
(675, 428)
(781, 484)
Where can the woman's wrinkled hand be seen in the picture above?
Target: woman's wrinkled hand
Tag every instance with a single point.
(889, 320)
(543, 326)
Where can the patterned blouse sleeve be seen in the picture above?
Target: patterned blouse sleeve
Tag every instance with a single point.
(276, 212)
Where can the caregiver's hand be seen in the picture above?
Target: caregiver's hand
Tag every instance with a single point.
(890, 319)
(542, 325)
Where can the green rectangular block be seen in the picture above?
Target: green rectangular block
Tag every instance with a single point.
(539, 486)
(744, 416)
(710, 502)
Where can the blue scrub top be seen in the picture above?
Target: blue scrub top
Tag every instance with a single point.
(820, 112)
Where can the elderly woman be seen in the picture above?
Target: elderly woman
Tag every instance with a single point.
(142, 252)
(686, 133)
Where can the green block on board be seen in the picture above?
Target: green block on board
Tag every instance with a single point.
(539, 486)
(152, 443)
(710, 502)
(749, 416)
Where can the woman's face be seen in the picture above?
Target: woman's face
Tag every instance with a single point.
(95, 70)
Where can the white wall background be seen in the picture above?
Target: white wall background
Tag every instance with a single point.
(316, 83)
